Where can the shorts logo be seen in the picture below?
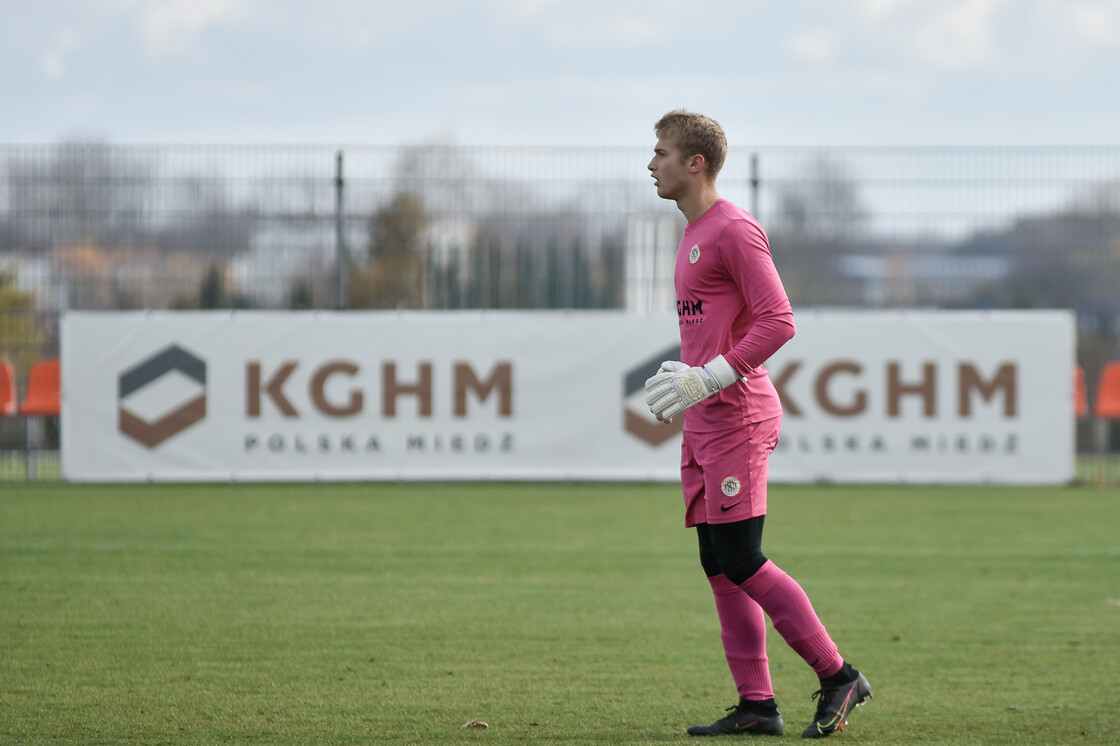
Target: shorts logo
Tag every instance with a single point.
(694, 255)
(731, 486)
(146, 387)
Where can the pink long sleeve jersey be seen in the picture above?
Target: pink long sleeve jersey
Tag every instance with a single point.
(730, 302)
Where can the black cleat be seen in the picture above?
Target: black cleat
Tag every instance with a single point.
(745, 718)
(835, 703)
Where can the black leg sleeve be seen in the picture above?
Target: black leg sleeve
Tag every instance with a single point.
(737, 548)
(707, 554)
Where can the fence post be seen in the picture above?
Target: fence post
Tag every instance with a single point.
(340, 233)
(32, 455)
(754, 185)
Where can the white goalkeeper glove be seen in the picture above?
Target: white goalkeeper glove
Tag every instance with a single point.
(676, 387)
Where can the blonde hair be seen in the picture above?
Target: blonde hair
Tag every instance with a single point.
(695, 134)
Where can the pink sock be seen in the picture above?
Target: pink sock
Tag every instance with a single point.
(785, 602)
(743, 631)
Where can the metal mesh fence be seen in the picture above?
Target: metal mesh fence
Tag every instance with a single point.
(438, 225)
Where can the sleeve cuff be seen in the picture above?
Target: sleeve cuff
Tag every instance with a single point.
(722, 371)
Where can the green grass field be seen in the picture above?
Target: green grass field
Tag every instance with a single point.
(559, 614)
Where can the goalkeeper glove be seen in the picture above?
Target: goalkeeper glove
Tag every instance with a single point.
(676, 387)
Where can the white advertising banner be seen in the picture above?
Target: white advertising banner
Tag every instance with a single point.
(927, 396)
(256, 396)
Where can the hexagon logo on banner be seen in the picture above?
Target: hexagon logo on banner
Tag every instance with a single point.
(636, 417)
(161, 396)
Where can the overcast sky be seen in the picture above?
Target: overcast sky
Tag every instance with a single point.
(560, 72)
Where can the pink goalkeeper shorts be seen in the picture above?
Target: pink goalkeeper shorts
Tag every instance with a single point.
(723, 475)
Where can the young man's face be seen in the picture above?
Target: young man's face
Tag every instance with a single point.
(670, 171)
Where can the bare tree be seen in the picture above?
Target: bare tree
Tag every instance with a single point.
(823, 202)
(79, 192)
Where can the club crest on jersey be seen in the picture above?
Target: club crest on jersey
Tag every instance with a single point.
(731, 486)
(694, 254)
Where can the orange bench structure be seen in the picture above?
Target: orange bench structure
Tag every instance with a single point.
(42, 398)
(8, 401)
(1108, 393)
(43, 389)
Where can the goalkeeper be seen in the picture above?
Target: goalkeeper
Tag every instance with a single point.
(734, 314)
